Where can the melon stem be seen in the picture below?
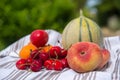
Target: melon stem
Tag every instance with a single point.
(81, 12)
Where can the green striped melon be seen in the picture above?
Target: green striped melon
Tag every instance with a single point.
(81, 29)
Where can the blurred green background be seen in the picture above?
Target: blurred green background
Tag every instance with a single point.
(20, 17)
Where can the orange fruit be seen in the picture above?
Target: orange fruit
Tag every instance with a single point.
(46, 48)
(26, 50)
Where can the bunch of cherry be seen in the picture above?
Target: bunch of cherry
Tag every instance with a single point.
(54, 59)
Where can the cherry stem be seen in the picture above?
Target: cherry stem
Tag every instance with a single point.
(48, 45)
(81, 12)
(49, 54)
(30, 50)
(36, 54)
(40, 48)
(28, 64)
(23, 64)
(56, 55)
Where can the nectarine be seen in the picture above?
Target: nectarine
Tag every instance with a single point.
(84, 56)
(106, 57)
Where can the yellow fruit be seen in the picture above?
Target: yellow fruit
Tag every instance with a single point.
(46, 48)
(25, 51)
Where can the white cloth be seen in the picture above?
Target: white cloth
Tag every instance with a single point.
(9, 56)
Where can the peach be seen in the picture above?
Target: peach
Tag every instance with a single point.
(84, 56)
(106, 57)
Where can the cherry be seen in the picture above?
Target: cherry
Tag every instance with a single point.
(21, 64)
(48, 64)
(39, 38)
(53, 65)
(63, 53)
(64, 62)
(58, 65)
(43, 56)
(34, 54)
(36, 66)
(29, 61)
(55, 52)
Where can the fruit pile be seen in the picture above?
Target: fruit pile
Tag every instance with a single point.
(83, 39)
(81, 56)
(37, 55)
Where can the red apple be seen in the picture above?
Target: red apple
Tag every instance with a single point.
(106, 57)
(39, 38)
(84, 56)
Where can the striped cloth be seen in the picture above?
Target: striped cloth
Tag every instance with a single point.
(9, 56)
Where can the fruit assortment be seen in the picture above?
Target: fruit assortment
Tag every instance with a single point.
(81, 56)
(37, 55)
(82, 50)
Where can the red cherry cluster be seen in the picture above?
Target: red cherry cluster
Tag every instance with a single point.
(57, 59)
(54, 59)
(33, 65)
